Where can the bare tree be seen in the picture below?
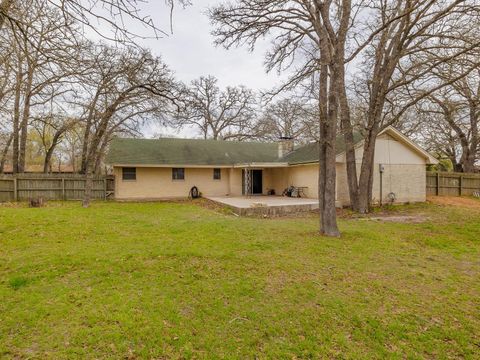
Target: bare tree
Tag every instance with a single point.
(217, 114)
(452, 118)
(6, 143)
(405, 41)
(69, 149)
(291, 118)
(113, 15)
(51, 130)
(39, 68)
(309, 38)
(121, 87)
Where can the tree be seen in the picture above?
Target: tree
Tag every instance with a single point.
(309, 38)
(217, 114)
(451, 119)
(6, 142)
(405, 41)
(70, 147)
(113, 15)
(38, 69)
(121, 88)
(51, 129)
(291, 118)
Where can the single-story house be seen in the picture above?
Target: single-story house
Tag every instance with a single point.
(165, 168)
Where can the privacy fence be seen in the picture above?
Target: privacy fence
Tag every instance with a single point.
(53, 187)
(452, 184)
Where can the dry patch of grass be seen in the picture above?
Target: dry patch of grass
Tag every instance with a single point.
(463, 202)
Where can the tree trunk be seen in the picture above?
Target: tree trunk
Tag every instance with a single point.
(457, 167)
(327, 156)
(330, 210)
(73, 160)
(323, 109)
(366, 173)
(51, 149)
(347, 129)
(16, 120)
(24, 122)
(3, 159)
(48, 159)
(85, 149)
(468, 163)
(88, 187)
(471, 149)
(88, 129)
(100, 153)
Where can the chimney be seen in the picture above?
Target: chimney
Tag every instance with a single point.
(285, 146)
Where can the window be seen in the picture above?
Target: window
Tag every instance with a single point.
(178, 174)
(217, 174)
(129, 173)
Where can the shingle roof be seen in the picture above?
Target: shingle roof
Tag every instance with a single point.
(309, 153)
(171, 151)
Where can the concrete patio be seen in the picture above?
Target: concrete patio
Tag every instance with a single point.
(265, 205)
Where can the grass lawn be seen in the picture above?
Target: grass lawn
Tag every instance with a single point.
(176, 280)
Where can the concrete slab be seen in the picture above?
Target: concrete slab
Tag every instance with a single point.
(265, 205)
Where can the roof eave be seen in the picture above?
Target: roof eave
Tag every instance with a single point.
(261, 164)
(170, 165)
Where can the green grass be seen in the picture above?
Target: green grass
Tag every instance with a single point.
(175, 280)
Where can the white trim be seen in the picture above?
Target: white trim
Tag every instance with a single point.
(308, 163)
(234, 166)
(261, 165)
(173, 166)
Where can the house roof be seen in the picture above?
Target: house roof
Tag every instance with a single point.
(309, 153)
(171, 151)
(199, 152)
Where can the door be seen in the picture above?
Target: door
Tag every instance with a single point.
(255, 182)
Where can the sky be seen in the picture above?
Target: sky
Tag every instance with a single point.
(190, 51)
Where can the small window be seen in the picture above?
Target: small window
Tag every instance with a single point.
(178, 174)
(217, 174)
(129, 173)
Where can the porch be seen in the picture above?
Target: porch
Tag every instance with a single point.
(265, 205)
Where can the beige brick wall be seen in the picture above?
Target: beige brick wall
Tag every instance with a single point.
(157, 183)
(279, 179)
(406, 181)
(235, 181)
(305, 176)
(300, 175)
(405, 173)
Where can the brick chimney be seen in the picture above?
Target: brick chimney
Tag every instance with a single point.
(285, 146)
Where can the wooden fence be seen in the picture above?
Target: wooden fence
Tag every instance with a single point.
(53, 187)
(452, 184)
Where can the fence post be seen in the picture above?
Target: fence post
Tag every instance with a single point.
(15, 189)
(105, 188)
(438, 184)
(460, 185)
(63, 189)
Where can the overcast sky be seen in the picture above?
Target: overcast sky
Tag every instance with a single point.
(190, 51)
